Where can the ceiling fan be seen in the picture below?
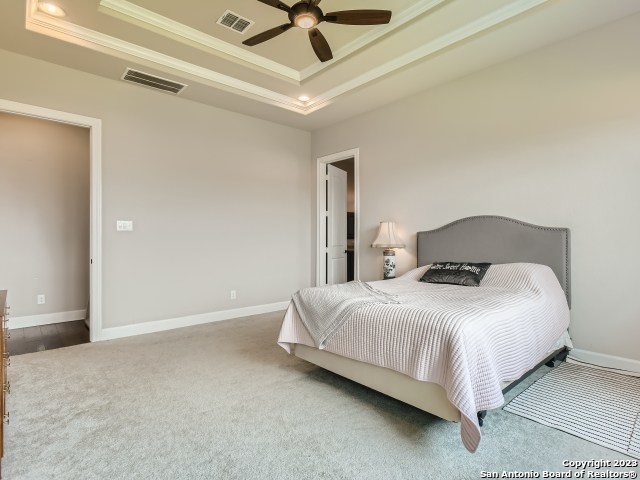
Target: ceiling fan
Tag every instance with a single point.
(306, 14)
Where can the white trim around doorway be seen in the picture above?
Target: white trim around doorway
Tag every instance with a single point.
(95, 134)
(321, 194)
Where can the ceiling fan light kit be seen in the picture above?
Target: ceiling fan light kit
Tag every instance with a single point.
(306, 21)
(306, 14)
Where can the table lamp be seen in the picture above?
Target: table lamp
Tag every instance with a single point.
(388, 239)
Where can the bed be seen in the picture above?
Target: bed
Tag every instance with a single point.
(454, 377)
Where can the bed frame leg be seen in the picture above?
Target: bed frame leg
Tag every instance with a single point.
(560, 356)
(481, 416)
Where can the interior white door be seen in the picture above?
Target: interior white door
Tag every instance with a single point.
(336, 237)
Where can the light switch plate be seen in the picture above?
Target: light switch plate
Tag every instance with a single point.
(124, 225)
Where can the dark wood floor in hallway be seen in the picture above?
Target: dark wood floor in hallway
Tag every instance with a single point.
(47, 337)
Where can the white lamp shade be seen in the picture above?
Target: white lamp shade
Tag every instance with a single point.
(387, 237)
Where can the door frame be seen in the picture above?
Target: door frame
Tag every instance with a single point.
(95, 235)
(321, 195)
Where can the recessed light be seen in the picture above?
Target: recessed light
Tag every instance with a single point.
(51, 9)
(303, 98)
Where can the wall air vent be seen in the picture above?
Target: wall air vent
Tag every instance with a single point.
(148, 80)
(234, 22)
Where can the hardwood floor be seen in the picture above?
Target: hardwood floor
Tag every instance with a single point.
(47, 337)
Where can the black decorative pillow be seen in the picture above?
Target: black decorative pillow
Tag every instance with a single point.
(456, 273)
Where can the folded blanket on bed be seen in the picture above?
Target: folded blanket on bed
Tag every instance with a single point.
(323, 310)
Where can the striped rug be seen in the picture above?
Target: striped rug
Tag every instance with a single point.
(599, 406)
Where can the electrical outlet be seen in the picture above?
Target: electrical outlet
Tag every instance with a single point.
(40, 299)
(232, 295)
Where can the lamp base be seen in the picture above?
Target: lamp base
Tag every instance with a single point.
(389, 264)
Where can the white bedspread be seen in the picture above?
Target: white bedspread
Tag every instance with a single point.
(466, 339)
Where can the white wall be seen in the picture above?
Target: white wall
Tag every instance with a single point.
(44, 207)
(219, 200)
(552, 138)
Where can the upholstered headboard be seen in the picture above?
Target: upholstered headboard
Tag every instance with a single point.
(489, 238)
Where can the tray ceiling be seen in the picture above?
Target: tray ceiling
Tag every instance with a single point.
(426, 42)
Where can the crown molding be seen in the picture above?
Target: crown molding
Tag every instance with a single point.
(62, 30)
(488, 21)
(397, 20)
(168, 27)
(75, 34)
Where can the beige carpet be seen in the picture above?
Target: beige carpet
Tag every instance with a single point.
(223, 401)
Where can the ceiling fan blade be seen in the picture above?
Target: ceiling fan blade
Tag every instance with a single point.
(320, 45)
(277, 4)
(314, 3)
(359, 17)
(267, 35)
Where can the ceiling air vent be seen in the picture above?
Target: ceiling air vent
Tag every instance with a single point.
(234, 22)
(148, 80)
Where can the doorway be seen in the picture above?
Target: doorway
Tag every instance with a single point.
(94, 260)
(337, 218)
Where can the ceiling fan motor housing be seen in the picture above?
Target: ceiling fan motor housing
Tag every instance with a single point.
(304, 9)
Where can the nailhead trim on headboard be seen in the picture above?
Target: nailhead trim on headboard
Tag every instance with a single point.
(566, 239)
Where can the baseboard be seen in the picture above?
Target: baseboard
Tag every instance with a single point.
(46, 319)
(606, 361)
(188, 321)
